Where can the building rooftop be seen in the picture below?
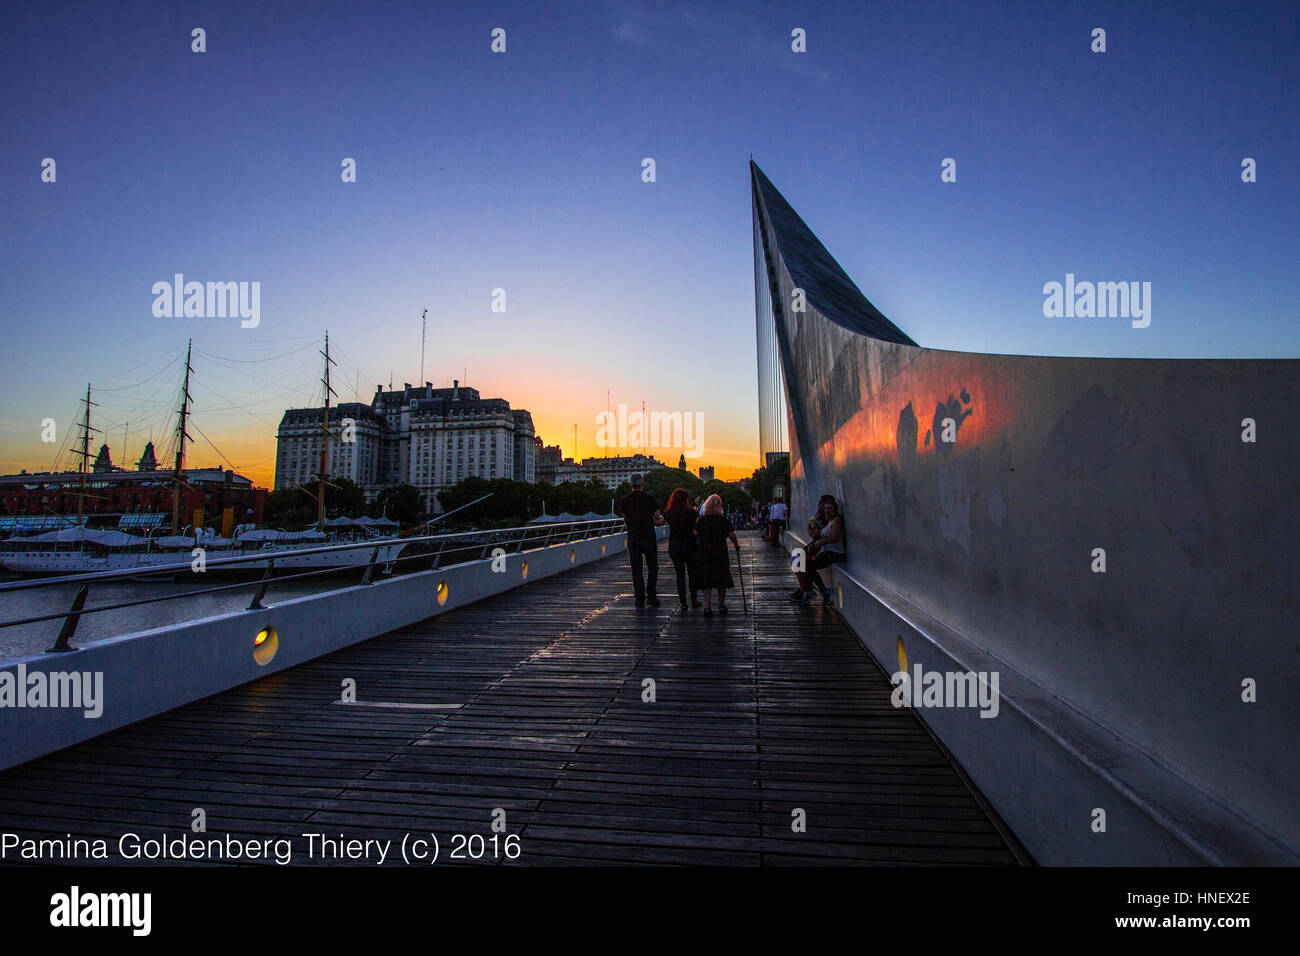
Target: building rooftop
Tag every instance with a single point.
(99, 479)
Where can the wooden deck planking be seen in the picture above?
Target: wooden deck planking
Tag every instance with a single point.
(755, 714)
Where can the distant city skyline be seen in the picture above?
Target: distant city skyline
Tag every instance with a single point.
(518, 180)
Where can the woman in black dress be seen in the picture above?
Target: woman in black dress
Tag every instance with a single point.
(713, 532)
(681, 517)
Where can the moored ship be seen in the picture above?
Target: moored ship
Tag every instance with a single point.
(79, 550)
(72, 547)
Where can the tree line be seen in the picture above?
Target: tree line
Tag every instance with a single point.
(511, 502)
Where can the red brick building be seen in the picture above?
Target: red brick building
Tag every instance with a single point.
(112, 493)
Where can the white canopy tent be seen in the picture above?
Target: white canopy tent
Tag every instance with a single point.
(262, 535)
(79, 534)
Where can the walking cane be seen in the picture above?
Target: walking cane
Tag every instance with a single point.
(744, 603)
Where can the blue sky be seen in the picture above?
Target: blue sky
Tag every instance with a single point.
(522, 171)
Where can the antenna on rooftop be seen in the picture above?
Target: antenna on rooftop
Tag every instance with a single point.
(423, 323)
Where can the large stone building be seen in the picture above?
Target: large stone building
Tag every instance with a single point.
(426, 437)
(612, 471)
(549, 460)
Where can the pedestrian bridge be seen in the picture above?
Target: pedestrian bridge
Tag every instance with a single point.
(1114, 540)
(593, 732)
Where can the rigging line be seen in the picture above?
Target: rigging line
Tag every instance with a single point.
(149, 361)
(251, 361)
(294, 341)
(65, 446)
(269, 423)
(351, 363)
(232, 405)
(347, 368)
(255, 401)
(215, 448)
(118, 406)
(144, 408)
(255, 343)
(115, 426)
(143, 381)
(226, 409)
(230, 363)
(356, 368)
(280, 384)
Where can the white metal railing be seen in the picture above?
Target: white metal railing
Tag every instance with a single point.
(459, 544)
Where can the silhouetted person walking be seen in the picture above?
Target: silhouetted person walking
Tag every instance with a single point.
(714, 531)
(641, 515)
(681, 517)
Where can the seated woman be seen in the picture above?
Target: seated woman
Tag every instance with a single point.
(825, 549)
(713, 532)
(815, 525)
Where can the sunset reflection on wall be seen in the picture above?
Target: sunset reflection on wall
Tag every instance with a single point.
(908, 414)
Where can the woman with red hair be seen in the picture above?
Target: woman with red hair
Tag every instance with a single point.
(681, 517)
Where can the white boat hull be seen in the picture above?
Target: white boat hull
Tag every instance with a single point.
(80, 562)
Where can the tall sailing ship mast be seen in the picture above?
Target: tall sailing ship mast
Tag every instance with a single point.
(85, 457)
(323, 476)
(178, 476)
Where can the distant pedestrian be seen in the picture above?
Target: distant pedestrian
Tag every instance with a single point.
(715, 560)
(682, 547)
(641, 515)
(776, 520)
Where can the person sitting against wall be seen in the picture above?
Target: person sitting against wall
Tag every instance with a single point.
(815, 525)
(825, 547)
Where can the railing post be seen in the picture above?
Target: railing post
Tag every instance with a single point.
(70, 623)
(256, 604)
(437, 557)
(370, 568)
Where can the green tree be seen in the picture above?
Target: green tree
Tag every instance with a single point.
(402, 503)
(660, 482)
(345, 498)
(541, 499)
(733, 497)
(579, 497)
(510, 502)
(289, 508)
(765, 479)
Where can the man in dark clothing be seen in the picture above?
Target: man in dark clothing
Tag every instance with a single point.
(641, 515)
